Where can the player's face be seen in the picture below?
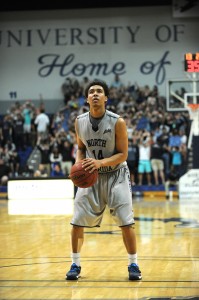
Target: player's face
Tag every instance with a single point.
(96, 96)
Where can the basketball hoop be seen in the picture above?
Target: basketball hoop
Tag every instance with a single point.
(193, 109)
(193, 106)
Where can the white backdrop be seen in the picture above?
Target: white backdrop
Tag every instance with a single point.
(38, 50)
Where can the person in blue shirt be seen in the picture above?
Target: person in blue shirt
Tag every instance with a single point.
(56, 170)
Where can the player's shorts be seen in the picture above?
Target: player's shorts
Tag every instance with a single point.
(112, 189)
(144, 166)
(157, 164)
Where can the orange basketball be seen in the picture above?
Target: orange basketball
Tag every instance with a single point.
(82, 178)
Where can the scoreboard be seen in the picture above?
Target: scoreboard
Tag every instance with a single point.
(191, 62)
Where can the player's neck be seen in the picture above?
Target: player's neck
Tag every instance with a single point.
(97, 113)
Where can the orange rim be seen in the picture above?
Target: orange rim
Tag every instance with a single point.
(193, 106)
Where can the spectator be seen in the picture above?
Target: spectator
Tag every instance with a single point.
(6, 130)
(18, 132)
(45, 149)
(56, 170)
(117, 83)
(132, 160)
(176, 160)
(5, 172)
(41, 172)
(27, 115)
(157, 162)
(42, 122)
(67, 159)
(144, 165)
(55, 157)
(175, 139)
(172, 180)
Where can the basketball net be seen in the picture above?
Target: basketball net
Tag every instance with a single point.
(193, 109)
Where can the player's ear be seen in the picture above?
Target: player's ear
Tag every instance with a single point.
(106, 99)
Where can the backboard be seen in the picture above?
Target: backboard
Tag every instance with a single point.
(180, 92)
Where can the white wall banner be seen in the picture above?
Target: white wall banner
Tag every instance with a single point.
(189, 185)
(38, 50)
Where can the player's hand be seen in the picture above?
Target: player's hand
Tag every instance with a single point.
(91, 164)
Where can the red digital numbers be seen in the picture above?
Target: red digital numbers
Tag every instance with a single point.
(192, 62)
(192, 66)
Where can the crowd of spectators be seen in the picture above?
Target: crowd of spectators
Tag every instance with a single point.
(157, 138)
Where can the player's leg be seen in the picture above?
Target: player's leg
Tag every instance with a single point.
(77, 239)
(120, 202)
(129, 238)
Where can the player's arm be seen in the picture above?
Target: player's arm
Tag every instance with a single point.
(81, 150)
(121, 144)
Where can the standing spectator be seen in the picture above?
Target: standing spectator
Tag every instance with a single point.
(176, 160)
(6, 129)
(175, 139)
(45, 149)
(18, 131)
(144, 165)
(27, 114)
(132, 160)
(67, 159)
(164, 137)
(42, 122)
(157, 162)
(117, 83)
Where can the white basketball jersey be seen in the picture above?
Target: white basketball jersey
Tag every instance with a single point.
(101, 143)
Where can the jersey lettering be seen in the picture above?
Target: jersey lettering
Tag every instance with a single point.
(105, 169)
(96, 142)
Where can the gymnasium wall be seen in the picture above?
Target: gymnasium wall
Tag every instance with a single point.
(38, 50)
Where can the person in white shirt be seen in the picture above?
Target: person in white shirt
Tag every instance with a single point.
(42, 122)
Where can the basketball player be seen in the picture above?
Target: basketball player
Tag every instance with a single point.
(103, 144)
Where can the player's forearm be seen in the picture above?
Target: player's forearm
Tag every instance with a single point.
(81, 154)
(113, 160)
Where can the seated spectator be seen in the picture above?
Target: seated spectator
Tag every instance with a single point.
(173, 180)
(5, 172)
(41, 172)
(14, 162)
(37, 173)
(56, 170)
(55, 157)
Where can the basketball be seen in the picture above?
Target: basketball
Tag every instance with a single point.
(82, 178)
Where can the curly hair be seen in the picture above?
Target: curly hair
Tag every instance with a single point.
(99, 82)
